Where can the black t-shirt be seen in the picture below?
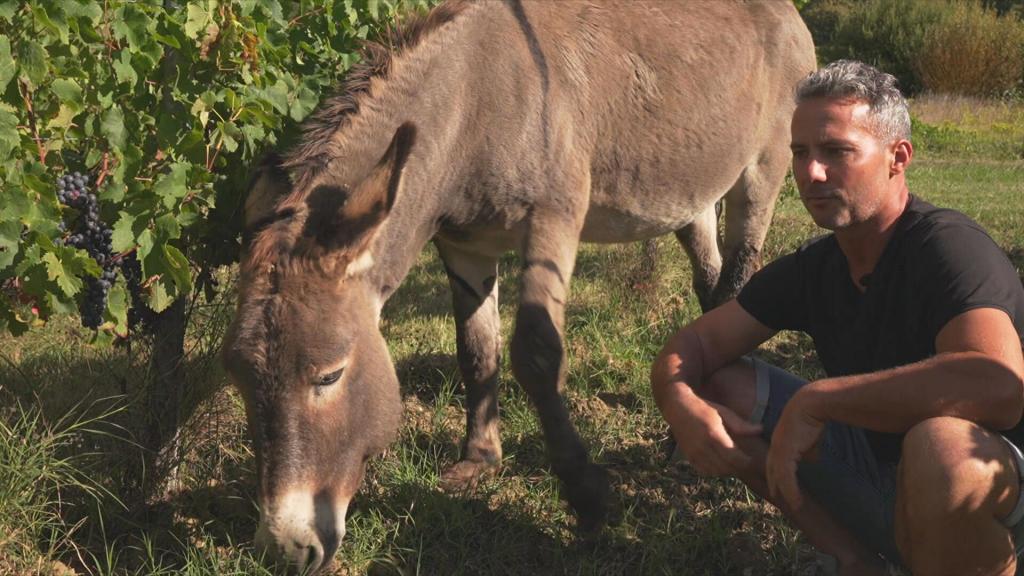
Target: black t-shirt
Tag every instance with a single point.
(937, 265)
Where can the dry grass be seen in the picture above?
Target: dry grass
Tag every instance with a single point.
(968, 112)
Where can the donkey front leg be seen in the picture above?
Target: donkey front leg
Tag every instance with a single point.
(474, 283)
(538, 362)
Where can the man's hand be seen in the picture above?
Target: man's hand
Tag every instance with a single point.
(705, 435)
(795, 436)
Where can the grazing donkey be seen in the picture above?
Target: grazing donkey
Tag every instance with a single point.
(487, 127)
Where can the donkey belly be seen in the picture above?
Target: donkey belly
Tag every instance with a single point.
(610, 224)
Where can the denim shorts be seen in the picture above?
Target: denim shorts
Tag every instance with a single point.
(857, 490)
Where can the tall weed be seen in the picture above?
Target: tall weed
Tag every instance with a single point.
(42, 469)
(974, 52)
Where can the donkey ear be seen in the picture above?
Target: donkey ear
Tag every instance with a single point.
(343, 221)
(269, 183)
(380, 188)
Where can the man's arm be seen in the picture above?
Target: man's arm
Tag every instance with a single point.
(976, 375)
(701, 348)
(698, 350)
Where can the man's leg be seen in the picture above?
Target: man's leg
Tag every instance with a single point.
(957, 484)
(737, 387)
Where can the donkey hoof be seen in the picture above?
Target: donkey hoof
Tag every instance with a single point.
(465, 475)
(589, 499)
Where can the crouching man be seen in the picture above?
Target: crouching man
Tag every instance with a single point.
(910, 449)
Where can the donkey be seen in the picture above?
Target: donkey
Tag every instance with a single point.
(488, 127)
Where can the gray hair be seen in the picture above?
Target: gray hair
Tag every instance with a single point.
(850, 79)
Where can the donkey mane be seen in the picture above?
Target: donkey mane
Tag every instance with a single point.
(333, 114)
(274, 239)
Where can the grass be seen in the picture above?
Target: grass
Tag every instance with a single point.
(969, 127)
(68, 463)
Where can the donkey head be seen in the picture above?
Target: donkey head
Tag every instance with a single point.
(321, 395)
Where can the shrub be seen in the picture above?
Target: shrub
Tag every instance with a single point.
(974, 52)
(823, 17)
(883, 33)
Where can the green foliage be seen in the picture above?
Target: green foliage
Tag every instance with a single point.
(882, 33)
(959, 46)
(973, 52)
(165, 104)
(823, 17)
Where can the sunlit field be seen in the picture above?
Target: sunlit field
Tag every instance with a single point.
(69, 414)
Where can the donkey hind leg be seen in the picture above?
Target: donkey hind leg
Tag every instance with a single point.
(474, 283)
(749, 206)
(700, 240)
(539, 364)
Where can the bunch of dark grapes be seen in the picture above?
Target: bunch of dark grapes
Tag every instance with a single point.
(92, 235)
(140, 315)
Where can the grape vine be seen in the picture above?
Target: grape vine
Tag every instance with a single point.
(164, 105)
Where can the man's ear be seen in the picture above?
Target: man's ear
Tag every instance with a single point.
(342, 221)
(902, 155)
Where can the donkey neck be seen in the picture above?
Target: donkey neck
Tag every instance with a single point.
(417, 89)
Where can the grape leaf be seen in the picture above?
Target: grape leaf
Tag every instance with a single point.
(52, 21)
(90, 9)
(171, 186)
(32, 62)
(124, 70)
(68, 90)
(7, 9)
(112, 126)
(63, 120)
(158, 296)
(145, 243)
(117, 310)
(167, 228)
(123, 235)
(9, 137)
(196, 20)
(133, 25)
(177, 265)
(7, 66)
(65, 279)
(10, 236)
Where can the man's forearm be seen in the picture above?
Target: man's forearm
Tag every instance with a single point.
(966, 385)
(677, 372)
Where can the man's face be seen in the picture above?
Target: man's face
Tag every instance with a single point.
(841, 168)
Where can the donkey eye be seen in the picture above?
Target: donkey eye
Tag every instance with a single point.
(328, 379)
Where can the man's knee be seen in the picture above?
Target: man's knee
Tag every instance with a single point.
(733, 386)
(950, 465)
(957, 484)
